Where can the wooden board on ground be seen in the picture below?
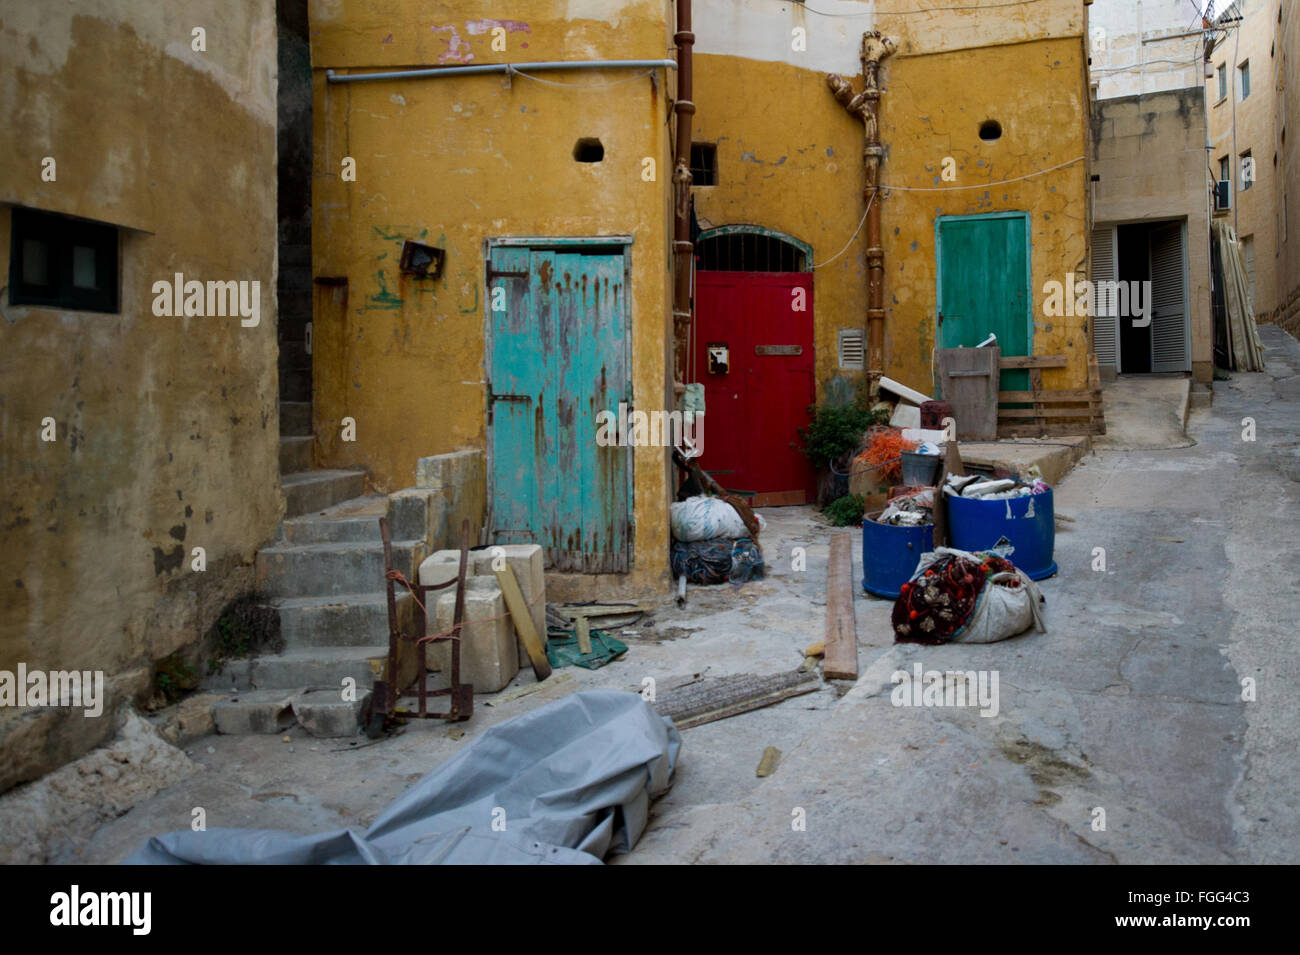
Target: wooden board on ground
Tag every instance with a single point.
(968, 378)
(716, 698)
(523, 621)
(841, 660)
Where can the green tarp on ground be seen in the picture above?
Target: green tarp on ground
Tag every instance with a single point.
(562, 649)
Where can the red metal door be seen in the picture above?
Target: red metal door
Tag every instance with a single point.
(753, 411)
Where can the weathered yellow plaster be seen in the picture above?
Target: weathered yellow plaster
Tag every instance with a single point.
(453, 162)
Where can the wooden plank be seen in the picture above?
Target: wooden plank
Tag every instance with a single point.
(1036, 385)
(584, 634)
(767, 765)
(1045, 413)
(841, 660)
(968, 378)
(600, 610)
(1049, 397)
(1048, 431)
(1098, 406)
(717, 698)
(1034, 361)
(523, 621)
(779, 498)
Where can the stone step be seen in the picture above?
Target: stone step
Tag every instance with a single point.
(356, 519)
(295, 454)
(294, 670)
(317, 570)
(306, 491)
(322, 713)
(295, 418)
(295, 385)
(348, 620)
(293, 354)
(268, 711)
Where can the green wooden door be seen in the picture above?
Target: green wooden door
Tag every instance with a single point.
(557, 356)
(983, 266)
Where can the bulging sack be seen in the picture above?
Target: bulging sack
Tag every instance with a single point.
(960, 597)
(704, 518)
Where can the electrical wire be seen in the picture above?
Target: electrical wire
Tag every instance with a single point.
(851, 238)
(983, 185)
(909, 13)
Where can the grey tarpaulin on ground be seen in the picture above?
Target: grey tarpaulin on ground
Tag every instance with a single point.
(574, 779)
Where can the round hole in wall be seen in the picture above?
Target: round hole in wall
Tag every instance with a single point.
(990, 130)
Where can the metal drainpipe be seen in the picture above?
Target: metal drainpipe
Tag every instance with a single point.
(683, 258)
(866, 107)
(439, 71)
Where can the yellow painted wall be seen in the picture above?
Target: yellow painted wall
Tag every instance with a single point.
(789, 159)
(933, 109)
(454, 162)
(167, 434)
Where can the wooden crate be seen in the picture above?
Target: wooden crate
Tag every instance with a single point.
(1056, 412)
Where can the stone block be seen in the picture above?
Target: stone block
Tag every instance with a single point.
(488, 658)
(257, 711)
(528, 563)
(325, 714)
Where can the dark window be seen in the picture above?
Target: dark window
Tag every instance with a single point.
(1244, 71)
(1225, 171)
(704, 164)
(588, 150)
(748, 252)
(1222, 75)
(62, 262)
(990, 130)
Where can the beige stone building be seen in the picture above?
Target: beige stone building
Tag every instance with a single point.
(1150, 186)
(138, 447)
(1252, 79)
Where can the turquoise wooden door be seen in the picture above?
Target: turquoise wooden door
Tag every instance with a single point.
(557, 356)
(983, 285)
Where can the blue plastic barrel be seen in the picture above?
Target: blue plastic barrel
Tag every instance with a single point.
(1027, 523)
(890, 555)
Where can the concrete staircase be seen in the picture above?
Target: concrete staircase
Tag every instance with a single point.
(324, 578)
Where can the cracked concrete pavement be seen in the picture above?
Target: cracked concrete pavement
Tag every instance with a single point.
(1130, 703)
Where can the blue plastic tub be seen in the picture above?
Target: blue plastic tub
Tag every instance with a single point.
(1027, 523)
(890, 555)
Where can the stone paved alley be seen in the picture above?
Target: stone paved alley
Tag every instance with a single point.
(1131, 702)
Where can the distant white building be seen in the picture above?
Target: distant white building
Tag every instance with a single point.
(1144, 46)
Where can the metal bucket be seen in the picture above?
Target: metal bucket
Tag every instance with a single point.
(919, 470)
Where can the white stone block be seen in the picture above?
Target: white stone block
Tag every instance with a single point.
(488, 658)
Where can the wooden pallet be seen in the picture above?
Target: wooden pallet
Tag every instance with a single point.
(1056, 412)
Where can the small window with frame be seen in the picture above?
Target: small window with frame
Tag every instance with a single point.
(704, 164)
(59, 261)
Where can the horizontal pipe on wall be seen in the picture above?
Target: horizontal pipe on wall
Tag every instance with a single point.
(333, 77)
